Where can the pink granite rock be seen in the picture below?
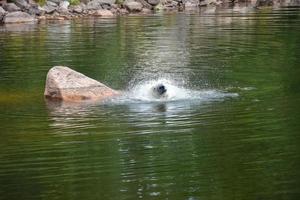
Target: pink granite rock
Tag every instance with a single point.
(66, 84)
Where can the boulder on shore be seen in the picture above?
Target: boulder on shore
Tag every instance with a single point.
(103, 13)
(76, 9)
(18, 17)
(11, 7)
(23, 4)
(65, 84)
(133, 6)
(153, 2)
(2, 12)
(99, 4)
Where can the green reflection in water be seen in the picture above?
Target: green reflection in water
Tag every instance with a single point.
(237, 148)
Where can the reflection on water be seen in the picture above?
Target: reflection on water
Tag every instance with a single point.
(228, 130)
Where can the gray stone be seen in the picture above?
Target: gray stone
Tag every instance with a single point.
(54, 1)
(295, 2)
(146, 11)
(106, 6)
(98, 4)
(94, 5)
(32, 2)
(63, 83)
(108, 1)
(114, 6)
(209, 10)
(18, 17)
(63, 7)
(169, 5)
(191, 4)
(30, 7)
(49, 9)
(123, 11)
(50, 3)
(208, 2)
(2, 11)
(153, 2)
(242, 9)
(103, 13)
(35, 10)
(260, 3)
(133, 6)
(22, 4)
(11, 7)
(63, 11)
(76, 9)
(2, 2)
(83, 6)
(64, 4)
(145, 4)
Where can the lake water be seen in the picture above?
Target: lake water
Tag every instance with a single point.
(230, 130)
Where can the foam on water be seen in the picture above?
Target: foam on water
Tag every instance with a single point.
(142, 92)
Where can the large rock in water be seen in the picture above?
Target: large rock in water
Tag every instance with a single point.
(66, 84)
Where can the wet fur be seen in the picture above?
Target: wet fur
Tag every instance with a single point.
(159, 91)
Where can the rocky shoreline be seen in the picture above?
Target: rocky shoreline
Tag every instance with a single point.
(22, 11)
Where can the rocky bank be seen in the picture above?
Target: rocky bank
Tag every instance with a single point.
(19, 11)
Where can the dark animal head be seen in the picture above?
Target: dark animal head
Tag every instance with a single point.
(160, 89)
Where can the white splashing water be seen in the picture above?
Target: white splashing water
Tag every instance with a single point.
(143, 92)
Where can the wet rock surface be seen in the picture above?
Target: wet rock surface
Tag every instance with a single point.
(62, 10)
(63, 83)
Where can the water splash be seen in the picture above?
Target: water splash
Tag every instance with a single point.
(143, 92)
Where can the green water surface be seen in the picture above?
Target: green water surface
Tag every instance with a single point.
(240, 148)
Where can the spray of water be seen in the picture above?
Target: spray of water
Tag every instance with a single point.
(143, 92)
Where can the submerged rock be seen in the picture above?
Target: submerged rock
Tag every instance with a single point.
(66, 84)
(18, 17)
